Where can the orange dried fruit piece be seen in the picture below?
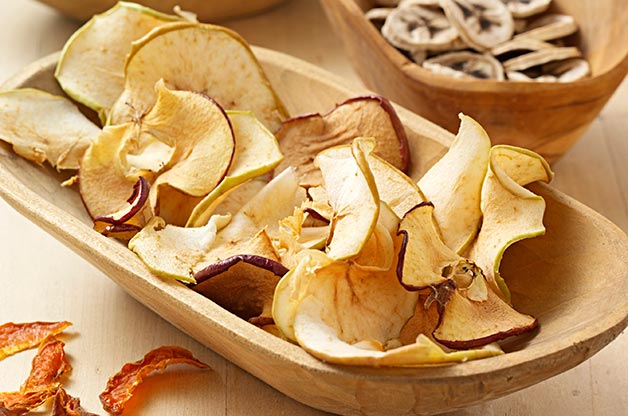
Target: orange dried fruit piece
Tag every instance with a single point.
(22, 336)
(43, 382)
(66, 405)
(120, 387)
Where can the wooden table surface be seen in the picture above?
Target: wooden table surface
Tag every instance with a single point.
(43, 280)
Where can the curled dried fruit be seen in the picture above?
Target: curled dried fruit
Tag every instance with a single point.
(540, 57)
(43, 381)
(549, 27)
(120, 387)
(481, 23)
(466, 65)
(19, 337)
(415, 27)
(526, 8)
(66, 405)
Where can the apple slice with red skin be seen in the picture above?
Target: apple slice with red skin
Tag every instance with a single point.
(303, 137)
(243, 284)
(465, 323)
(135, 204)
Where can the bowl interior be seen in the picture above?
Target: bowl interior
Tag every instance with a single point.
(602, 36)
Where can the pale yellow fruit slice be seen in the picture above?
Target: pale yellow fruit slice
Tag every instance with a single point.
(256, 153)
(197, 57)
(352, 194)
(317, 336)
(454, 185)
(395, 188)
(204, 144)
(44, 127)
(510, 212)
(172, 252)
(91, 66)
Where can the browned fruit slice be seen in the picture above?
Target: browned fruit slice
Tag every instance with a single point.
(303, 137)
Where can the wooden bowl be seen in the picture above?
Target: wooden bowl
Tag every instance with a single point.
(544, 117)
(574, 279)
(207, 10)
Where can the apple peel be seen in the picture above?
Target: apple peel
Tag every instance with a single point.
(91, 66)
(510, 212)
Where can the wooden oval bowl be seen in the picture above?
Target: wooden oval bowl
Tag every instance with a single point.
(207, 10)
(574, 279)
(544, 117)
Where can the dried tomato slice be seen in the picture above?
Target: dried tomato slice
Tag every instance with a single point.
(19, 337)
(121, 386)
(66, 405)
(43, 381)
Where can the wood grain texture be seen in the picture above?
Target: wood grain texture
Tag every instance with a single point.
(545, 117)
(579, 243)
(206, 10)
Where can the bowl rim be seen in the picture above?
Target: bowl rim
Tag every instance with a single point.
(416, 73)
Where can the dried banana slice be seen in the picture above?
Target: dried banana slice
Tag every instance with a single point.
(549, 27)
(378, 15)
(517, 47)
(418, 27)
(387, 3)
(540, 57)
(568, 70)
(418, 56)
(482, 24)
(424, 3)
(526, 8)
(466, 65)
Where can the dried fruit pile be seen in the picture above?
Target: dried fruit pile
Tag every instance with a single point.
(483, 39)
(50, 366)
(308, 226)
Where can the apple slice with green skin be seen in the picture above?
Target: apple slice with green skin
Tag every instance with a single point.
(256, 153)
(44, 127)
(352, 195)
(91, 66)
(181, 53)
(303, 137)
(173, 252)
(454, 185)
(510, 212)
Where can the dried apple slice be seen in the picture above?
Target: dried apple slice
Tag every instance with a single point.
(454, 185)
(302, 138)
(395, 188)
(424, 260)
(510, 212)
(204, 145)
(256, 153)
(466, 323)
(320, 339)
(91, 66)
(352, 195)
(172, 252)
(181, 54)
(44, 127)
